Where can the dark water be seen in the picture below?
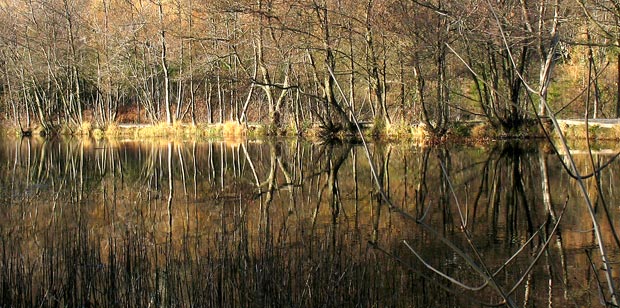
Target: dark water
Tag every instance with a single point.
(290, 224)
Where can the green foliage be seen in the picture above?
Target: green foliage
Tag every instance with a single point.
(257, 131)
(482, 131)
(212, 130)
(399, 131)
(460, 130)
(594, 131)
(378, 127)
(98, 133)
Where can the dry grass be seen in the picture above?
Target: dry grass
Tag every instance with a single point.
(398, 131)
(313, 132)
(37, 130)
(420, 132)
(594, 132)
(232, 129)
(156, 130)
(10, 130)
(482, 131)
(84, 129)
(112, 130)
(211, 130)
(66, 130)
(615, 132)
(76, 130)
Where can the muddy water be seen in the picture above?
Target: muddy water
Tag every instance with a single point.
(291, 224)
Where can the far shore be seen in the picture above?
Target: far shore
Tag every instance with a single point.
(573, 129)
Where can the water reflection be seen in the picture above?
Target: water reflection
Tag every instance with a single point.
(287, 223)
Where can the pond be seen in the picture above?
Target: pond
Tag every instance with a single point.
(286, 223)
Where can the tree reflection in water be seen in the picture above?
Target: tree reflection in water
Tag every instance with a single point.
(285, 223)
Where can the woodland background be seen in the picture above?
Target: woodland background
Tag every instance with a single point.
(299, 64)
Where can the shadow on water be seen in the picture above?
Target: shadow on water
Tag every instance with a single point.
(285, 224)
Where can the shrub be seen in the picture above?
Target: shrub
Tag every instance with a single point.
(232, 129)
(399, 131)
(84, 129)
(378, 127)
(98, 133)
(112, 130)
(420, 132)
(461, 130)
(482, 131)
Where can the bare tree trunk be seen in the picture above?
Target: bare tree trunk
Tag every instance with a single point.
(75, 99)
(99, 111)
(401, 81)
(331, 104)
(419, 87)
(25, 96)
(243, 118)
(14, 107)
(209, 100)
(352, 76)
(164, 63)
(220, 96)
(547, 53)
(178, 112)
(618, 86)
(593, 76)
(373, 68)
(190, 22)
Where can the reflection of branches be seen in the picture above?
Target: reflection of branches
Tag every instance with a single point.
(422, 189)
(518, 190)
(546, 68)
(484, 185)
(276, 163)
(481, 268)
(334, 162)
(574, 173)
(182, 164)
(251, 164)
(416, 270)
(597, 172)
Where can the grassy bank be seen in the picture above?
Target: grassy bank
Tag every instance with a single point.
(595, 130)
(473, 131)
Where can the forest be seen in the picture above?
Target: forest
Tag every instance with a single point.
(311, 64)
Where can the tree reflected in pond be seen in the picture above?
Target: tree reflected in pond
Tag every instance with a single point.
(286, 223)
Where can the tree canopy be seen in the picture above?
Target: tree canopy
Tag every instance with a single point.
(304, 63)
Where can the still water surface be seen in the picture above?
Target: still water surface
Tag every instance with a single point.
(286, 223)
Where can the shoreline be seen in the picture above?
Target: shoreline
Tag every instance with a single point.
(466, 132)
